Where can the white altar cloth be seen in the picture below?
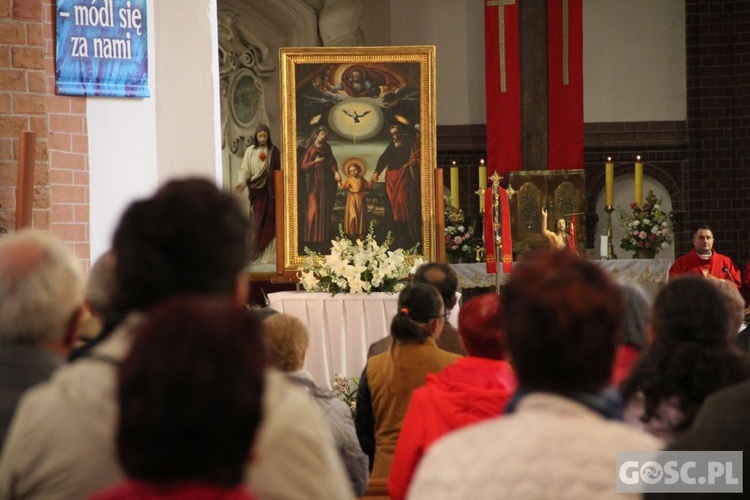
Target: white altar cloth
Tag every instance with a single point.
(341, 328)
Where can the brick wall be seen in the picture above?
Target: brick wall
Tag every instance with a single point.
(28, 102)
(717, 181)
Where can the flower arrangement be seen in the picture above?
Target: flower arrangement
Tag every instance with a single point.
(345, 389)
(358, 267)
(646, 227)
(457, 233)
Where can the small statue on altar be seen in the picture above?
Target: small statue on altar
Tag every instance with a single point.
(558, 240)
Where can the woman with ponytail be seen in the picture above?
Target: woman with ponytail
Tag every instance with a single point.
(389, 379)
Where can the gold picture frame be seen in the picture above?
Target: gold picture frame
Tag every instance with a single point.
(358, 136)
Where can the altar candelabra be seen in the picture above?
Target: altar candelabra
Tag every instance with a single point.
(610, 248)
(497, 226)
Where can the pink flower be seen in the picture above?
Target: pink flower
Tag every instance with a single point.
(457, 240)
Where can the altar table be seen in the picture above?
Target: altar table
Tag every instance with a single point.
(649, 274)
(341, 327)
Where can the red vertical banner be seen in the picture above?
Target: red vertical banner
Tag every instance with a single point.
(502, 85)
(565, 69)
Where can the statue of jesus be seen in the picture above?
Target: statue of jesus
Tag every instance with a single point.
(559, 239)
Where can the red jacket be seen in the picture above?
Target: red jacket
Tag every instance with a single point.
(626, 356)
(468, 391)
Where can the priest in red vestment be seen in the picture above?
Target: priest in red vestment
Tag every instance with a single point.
(703, 261)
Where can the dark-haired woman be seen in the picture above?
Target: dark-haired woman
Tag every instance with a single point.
(186, 427)
(389, 378)
(690, 358)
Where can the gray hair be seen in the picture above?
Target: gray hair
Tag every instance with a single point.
(41, 287)
(734, 300)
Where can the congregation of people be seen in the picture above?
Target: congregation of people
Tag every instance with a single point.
(184, 392)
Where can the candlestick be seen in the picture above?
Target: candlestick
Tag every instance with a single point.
(610, 247)
(638, 181)
(609, 182)
(482, 185)
(454, 186)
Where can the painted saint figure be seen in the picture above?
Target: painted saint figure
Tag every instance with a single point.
(318, 190)
(400, 160)
(355, 210)
(256, 174)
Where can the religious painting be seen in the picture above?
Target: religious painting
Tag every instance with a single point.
(358, 134)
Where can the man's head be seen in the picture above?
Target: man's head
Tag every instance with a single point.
(287, 340)
(560, 225)
(563, 319)
(100, 290)
(443, 277)
(691, 308)
(187, 238)
(396, 132)
(481, 324)
(41, 289)
(703, 240)
(734, 300)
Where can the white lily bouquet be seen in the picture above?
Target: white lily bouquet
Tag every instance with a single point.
(358, 266)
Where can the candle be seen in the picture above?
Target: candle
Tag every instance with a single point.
(454, 185)
(638, 181)
(482, 184)
(609, 182)
(603, 242)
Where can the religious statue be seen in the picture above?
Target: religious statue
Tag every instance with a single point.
(256, 174)
(558, 239)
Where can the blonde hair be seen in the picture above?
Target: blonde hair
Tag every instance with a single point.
(287, 340)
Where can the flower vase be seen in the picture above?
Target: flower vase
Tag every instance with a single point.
(453, 258)
(644, 253)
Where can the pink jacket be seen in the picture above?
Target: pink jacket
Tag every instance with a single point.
(466, 392)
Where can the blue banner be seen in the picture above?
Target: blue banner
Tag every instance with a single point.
(102, 48)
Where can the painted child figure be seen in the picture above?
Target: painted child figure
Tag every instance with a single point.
(355, 210)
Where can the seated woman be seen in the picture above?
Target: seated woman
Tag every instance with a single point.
(389, 379)
(690, 358)
(474, 388)
(287, 340)
(190, 401)
(559, 435)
